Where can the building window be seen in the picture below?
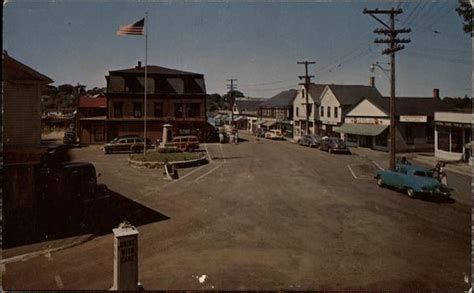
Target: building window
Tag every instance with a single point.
(322, 111)
(336, 112)
(137, 110)
(158, 109)
(118, 110)
(194, 110)
(456, 140)
(297, 111)
(178, 110)
(310, 108)
(302, 93)
(443, 138)
(329, 112)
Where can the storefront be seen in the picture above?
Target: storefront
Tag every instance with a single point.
(370, 135)
(453, 136)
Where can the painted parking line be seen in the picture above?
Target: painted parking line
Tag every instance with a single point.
(377, 165)
(186, 175)
(360, 177)
(207, 173)
(352, 172)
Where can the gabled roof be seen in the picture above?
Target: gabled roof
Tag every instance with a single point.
(248, 105)
(315, 90)
(91, 102)
(409, 105)
(153, 69)
(282, 99)
(353, 94)
(17, 71)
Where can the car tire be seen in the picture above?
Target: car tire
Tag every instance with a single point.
(330, 150)
(380, 182)
(411, 192)
(311, 145)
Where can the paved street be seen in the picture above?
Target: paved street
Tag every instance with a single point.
(269, 215)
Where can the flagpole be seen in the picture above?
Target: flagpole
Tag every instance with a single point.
(146, 77)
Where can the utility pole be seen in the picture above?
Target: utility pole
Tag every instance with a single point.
(231, 88)
(394, 46)
(307, 81)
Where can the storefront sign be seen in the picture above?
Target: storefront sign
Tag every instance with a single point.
(413, 118)
(360, 120)
(452, 124)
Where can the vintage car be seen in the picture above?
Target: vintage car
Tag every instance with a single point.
(274, 134)
(186, 143)
(311, 140)
(128, 143)
(333, 145)
(413, 180)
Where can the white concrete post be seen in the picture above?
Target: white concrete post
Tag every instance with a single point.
(125, 257)
(167, 135)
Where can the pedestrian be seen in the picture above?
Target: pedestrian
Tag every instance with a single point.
(404, 161)
(443, 178)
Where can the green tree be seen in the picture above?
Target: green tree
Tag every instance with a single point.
(465, 10)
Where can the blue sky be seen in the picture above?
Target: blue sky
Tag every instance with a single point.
(257, 43)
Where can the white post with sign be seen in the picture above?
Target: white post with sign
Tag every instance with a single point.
(125, 257)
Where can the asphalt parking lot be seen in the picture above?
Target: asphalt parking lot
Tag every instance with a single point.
(269, 215)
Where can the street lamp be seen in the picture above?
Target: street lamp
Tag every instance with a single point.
(377, 64)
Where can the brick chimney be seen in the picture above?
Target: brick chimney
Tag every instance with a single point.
(372, 81)
(435, 93)
(139, 64)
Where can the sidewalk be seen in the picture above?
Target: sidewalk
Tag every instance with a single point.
(427, 159)
(21, 253)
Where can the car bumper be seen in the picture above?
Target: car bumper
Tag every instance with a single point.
(445, 193)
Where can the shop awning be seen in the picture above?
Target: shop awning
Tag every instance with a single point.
(361, 129)
(269, 123)
(260, 122)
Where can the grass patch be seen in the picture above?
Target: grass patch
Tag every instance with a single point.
(154, 156)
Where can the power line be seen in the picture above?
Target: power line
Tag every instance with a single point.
(266, 83)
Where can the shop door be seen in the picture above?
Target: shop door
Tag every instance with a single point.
(365, 141)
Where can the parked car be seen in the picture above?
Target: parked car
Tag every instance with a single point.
(274, 134)
(128, 143)
(186, 143)
(413, 180)
(311, 140)
(333, 145)
(69, 190)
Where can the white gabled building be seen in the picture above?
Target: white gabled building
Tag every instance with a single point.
(299, 110)
(337, 99)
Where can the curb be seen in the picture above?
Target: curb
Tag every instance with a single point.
(26, 256)
(178, 164)
(447, 167)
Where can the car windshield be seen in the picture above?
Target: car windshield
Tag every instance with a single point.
(423, 173)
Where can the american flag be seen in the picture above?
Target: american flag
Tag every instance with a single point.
(136, 28)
